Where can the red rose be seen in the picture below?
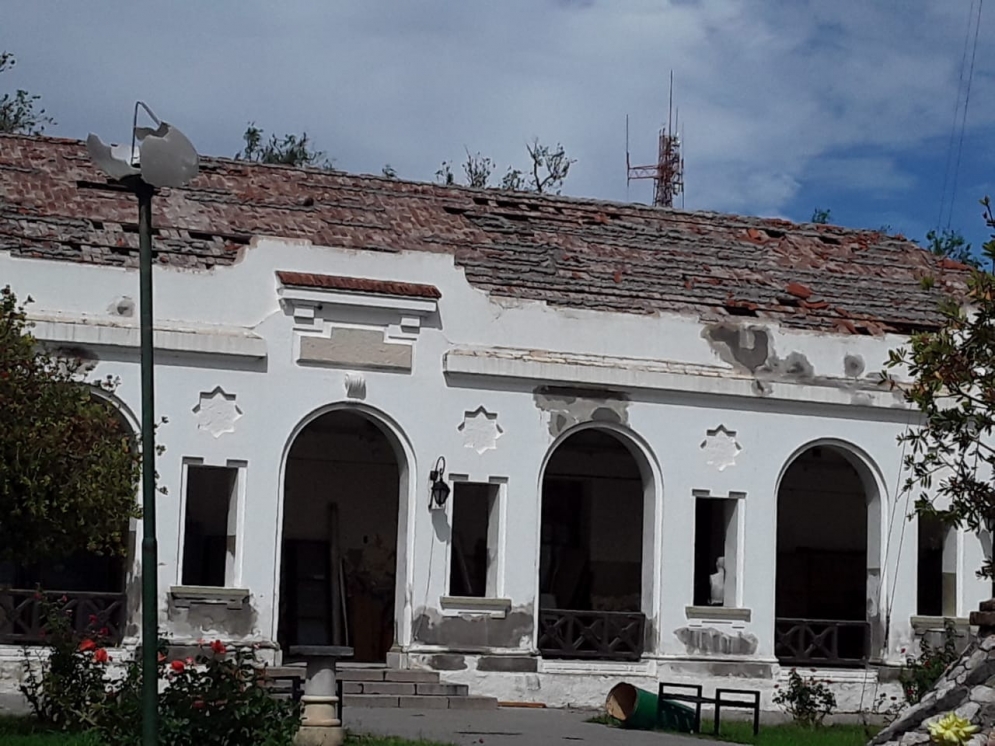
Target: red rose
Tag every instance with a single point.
(104, 632)
(93, 618)
(219, 647)
(178, 666)
(198, 704)
(100, 655)
(87, 644)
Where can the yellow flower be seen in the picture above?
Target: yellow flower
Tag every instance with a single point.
(952, 730)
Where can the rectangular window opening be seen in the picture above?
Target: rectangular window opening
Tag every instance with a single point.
(473, 566)
(210, 526)
(937, 568)
(715, 551)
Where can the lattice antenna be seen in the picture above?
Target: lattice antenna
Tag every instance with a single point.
(668, 171)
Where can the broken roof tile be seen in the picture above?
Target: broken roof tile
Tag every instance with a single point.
(564, 251)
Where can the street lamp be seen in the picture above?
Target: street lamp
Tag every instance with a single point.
(164, 158)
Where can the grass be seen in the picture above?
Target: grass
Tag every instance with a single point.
(26, 732)
(789, 734)
(735, 731)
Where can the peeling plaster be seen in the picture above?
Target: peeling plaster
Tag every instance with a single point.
(750, 349)
(206, 620)
(475, 631)
(569, 407)
(710, 641)
(853, 366)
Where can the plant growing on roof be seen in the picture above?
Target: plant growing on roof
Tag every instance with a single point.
(19, 111)
(290, 150)
(950, 455)
(68, 466)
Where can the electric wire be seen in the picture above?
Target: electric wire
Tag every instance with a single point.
(953, 124)
(963, 124)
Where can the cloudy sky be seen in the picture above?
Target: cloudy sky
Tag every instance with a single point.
(786, 104)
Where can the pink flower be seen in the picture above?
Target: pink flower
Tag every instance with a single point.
(178, 666)
(162, 657)
(190, 661)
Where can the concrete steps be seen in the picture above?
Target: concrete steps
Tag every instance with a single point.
(384, 687)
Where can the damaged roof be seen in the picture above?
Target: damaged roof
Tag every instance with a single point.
(579, 253)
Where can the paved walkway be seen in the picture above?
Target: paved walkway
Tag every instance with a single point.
(504, 727)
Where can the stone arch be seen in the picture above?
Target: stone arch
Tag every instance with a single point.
(598, 479)
(830, 517)
(337, 481)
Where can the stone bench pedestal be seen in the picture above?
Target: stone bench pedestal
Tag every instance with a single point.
(321, 725)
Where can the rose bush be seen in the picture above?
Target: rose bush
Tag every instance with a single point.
(213, 698)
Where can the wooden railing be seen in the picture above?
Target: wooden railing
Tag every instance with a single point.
(828, 642)
(591, 635)
(22, 618)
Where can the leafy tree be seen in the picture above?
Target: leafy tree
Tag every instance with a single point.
(951, 454)
(549, 168)
(68, 467)
(821, 216)
(290, 150)
(19, 112)
(952, 245)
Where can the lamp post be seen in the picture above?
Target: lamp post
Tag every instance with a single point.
(166, 159)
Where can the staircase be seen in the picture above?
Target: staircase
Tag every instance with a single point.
(379, 686)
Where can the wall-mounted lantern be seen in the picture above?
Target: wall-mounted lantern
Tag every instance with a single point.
(440, 490)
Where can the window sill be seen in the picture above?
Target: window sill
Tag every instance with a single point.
(923, 624)
(184, 596)
(496, 607)
(718, 613)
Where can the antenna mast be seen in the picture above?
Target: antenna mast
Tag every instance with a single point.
(668, 172)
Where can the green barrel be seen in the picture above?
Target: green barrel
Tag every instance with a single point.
(637, 709)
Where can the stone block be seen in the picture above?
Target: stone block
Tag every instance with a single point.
(447, 662)
(415, 677)
(369, 700)
(352, 687)
(361, 674)
(424, 703)
(472, 703)
(442, 690)
(508, 663)
(394, 689)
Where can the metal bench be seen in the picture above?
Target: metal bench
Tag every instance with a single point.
(722, 699)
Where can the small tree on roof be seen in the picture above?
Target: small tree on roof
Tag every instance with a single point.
(69, 468)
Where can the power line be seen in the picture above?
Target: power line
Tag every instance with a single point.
(953, 124)
(963, 125)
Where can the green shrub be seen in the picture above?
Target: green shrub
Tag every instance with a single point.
(68, 692)
(919, 674)
(214, 698)
(807, 701)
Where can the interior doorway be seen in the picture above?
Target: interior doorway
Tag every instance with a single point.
(340, 519)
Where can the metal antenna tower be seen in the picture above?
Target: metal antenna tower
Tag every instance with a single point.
(668, 171)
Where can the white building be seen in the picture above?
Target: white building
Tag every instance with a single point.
(617, 396)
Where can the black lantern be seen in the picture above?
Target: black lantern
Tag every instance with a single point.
(440, 490)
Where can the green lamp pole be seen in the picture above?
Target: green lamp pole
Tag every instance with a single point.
(168, 159)
(150, 548)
